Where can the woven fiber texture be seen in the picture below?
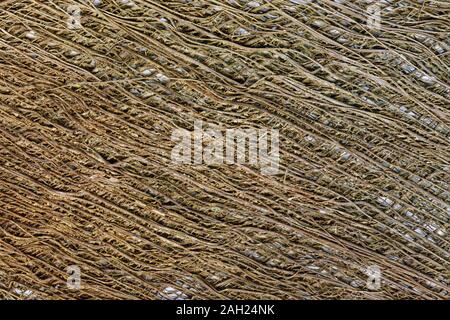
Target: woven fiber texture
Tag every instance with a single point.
(91, 93)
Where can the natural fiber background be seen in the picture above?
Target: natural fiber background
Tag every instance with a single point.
(86, 179)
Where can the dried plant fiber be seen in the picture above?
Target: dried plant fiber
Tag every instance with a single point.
(87, 180)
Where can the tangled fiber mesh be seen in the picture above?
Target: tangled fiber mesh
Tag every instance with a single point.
(86, 177)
